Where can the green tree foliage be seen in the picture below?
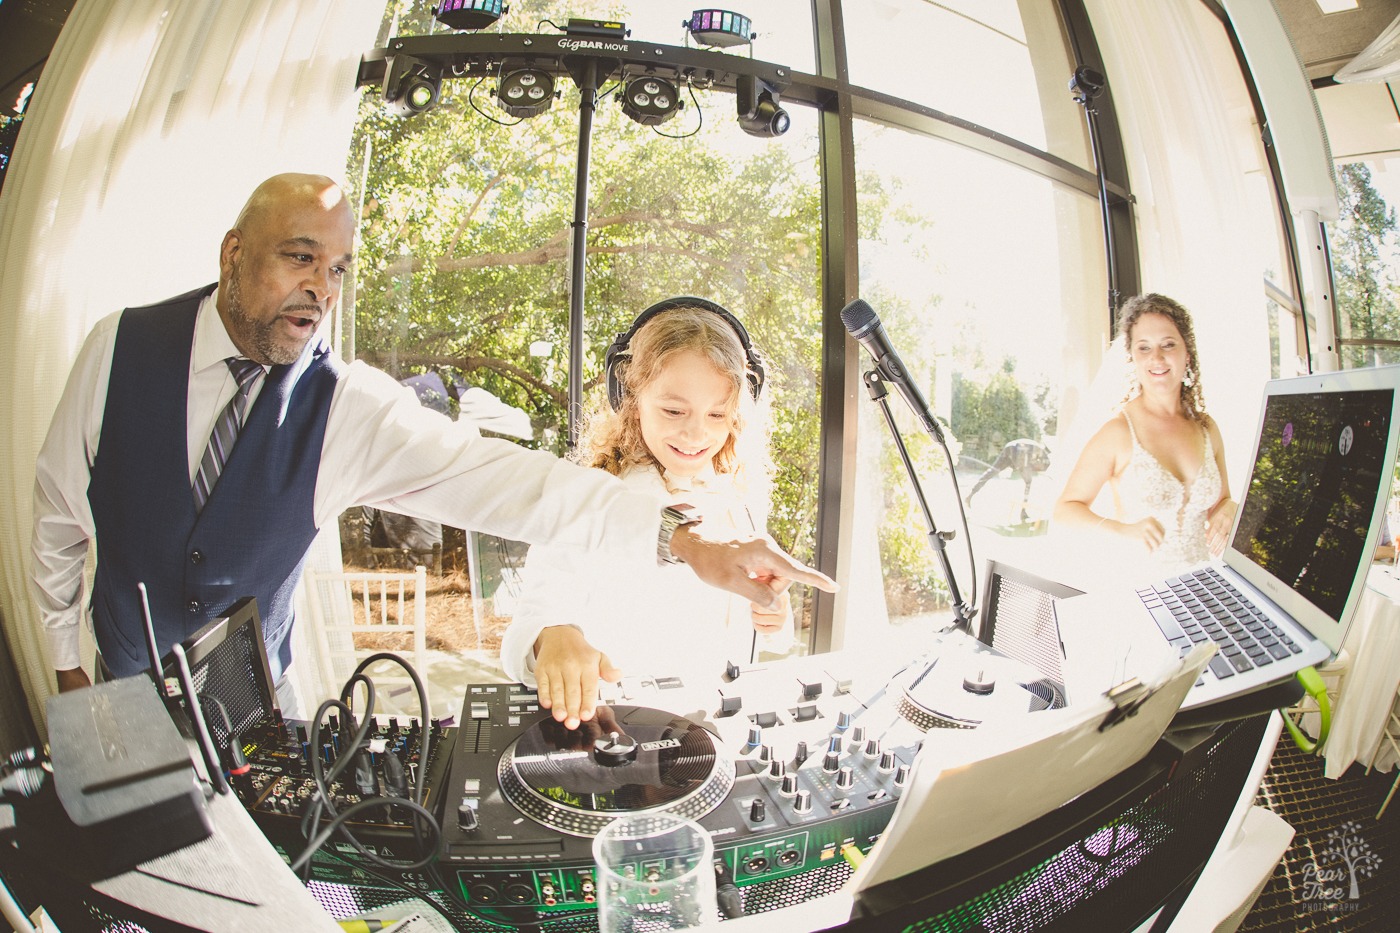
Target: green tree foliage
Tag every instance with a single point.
(1363, 265)
(465, 249)
(466, 230)
(992, 413)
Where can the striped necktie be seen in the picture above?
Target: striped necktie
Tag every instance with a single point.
(226, 429)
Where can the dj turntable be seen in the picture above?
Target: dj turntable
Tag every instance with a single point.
(788, 766)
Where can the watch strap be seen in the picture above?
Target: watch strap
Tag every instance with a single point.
(673, 517)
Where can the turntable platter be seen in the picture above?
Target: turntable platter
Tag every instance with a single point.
(628, 759)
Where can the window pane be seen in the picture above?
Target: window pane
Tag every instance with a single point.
(1002, 64)
(982, 275)
(1365, 250)
(464, 265)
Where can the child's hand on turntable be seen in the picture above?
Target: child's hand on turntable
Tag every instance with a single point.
(567, 670)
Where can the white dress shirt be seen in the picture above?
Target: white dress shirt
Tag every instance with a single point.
(381, 448)
(657, 620)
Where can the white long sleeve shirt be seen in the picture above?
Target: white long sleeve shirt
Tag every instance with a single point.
(381, 448)
(656, 620)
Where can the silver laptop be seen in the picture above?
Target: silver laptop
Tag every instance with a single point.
(1281, 596)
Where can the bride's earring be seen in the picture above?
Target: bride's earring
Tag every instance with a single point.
(1189, 379)
(1133, 388)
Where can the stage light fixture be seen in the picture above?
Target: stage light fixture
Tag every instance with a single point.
(650, 100)
(412, 87)
(469, 14)
(759, 111)
(721, 28)
(525, 92)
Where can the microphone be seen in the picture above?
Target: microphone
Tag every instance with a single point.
(864, 325)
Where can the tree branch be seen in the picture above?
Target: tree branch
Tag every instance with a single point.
(555, 247)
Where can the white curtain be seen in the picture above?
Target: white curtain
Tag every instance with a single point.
(151, 124)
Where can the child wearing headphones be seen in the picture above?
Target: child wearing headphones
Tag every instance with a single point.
(686, 421)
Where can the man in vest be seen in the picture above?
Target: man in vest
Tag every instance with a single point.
(203, 440)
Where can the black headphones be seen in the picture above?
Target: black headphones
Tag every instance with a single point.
(618, 349)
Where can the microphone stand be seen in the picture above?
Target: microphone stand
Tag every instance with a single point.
(962, 612)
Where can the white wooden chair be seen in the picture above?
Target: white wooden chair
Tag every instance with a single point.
(345, 604)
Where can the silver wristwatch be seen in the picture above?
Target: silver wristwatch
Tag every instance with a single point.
(673, 517)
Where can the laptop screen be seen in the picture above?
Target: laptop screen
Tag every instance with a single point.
(1307, 514)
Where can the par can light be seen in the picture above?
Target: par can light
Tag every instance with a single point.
(526, 92)
(650, 100)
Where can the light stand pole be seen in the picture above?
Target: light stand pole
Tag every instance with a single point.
(1086, 85)
(586, 76)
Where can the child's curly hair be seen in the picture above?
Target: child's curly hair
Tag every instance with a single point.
(612, 440)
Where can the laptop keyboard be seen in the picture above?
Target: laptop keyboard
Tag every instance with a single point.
(1204, 605)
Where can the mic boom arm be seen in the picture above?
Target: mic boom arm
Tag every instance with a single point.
(864, 325)
(962, 612)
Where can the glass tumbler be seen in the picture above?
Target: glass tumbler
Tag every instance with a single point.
(655, 872)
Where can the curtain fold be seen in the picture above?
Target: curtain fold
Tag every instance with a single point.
(152, 122)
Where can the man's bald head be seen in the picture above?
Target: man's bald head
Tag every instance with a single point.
(281, 191)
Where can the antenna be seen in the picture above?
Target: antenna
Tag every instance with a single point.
(206, 743)
(153, 652)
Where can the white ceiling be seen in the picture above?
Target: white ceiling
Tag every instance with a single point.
(1362, 120)
(1327, 42)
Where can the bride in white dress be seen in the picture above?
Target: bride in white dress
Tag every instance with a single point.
(1160, 455)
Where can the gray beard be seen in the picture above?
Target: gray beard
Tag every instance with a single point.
(259, 334)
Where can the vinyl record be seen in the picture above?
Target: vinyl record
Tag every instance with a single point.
(627, 759)
(964, 689)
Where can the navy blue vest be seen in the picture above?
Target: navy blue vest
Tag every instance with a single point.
(252, 536)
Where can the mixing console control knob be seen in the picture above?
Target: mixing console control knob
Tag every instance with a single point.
(800, 755)
(758, 810)
(857, 735)
(872, 748)
(789, 786)
(845, 778)
(765, 754)
(887, 761)
(755, 736)
(777, 768)
(803, 803)
(901, 775)
(393, 724)
(843, 721)
(831, 763)
(466, 817)
(833, 745)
